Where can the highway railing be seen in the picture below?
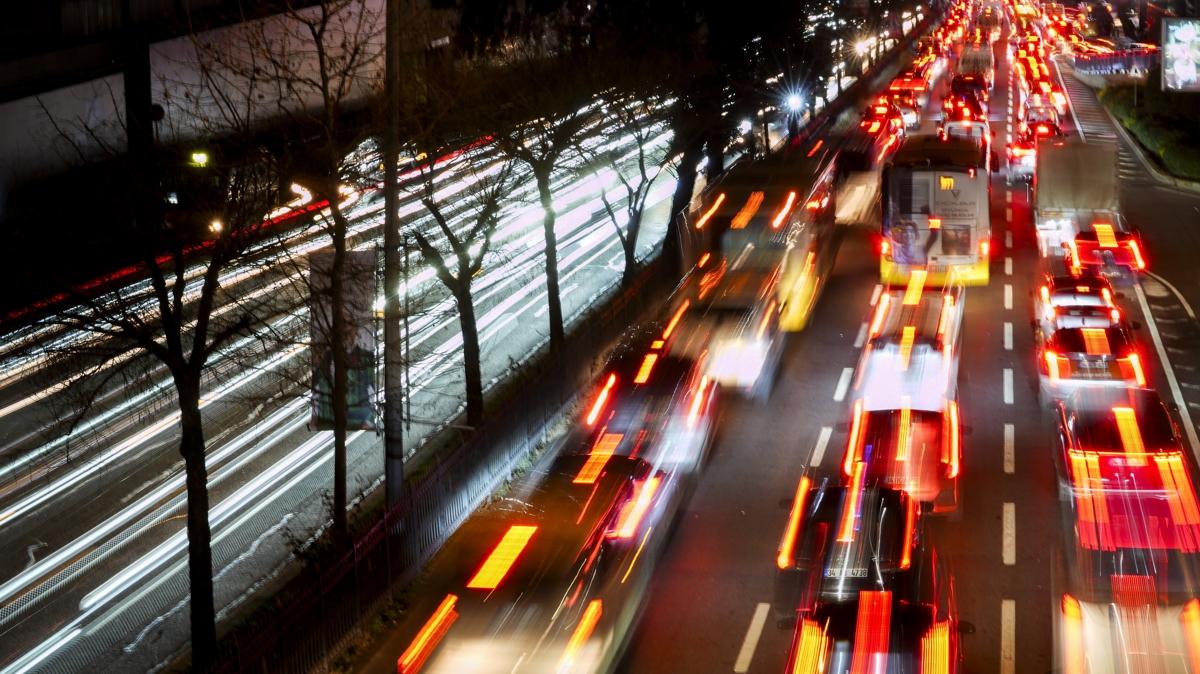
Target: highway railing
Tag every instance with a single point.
(1122, 62)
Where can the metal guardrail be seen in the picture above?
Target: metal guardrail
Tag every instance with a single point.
(1123, 62)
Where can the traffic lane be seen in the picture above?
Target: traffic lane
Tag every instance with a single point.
(706, 590)
(999, 544)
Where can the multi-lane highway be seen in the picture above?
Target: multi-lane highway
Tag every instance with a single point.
(93, 514)
(708, 608)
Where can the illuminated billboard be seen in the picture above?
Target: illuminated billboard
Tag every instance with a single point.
(1181, 54)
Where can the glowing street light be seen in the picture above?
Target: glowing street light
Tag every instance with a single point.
(200, 159)
(793, 102)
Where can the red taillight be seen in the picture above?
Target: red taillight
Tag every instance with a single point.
(1135, 364)
(601, 399)
(985, 247)
(955, 450)
(1052, 365)
(1138, 260)
(635, 509)
(885, 248)
(856, 429)
(1043, 130)
(428, 638)
(872, 631)
(935, 649)
(787, 545)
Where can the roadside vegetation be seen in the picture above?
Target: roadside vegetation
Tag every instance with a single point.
(1165, 123)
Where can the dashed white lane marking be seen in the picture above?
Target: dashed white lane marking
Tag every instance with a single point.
(843, 385)
(1008, 335)
(1008, 296)
(875, 293)
(1008, 266)
(1167, 369)
(1008, 239)
(1009, 543)
(822, 443)
(1008, 196)
(1008, 636)
(1008, 215)
(753, 634)
(861, 337)
(1008, 386)
(1010, 459)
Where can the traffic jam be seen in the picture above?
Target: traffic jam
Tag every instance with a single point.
(554, 573)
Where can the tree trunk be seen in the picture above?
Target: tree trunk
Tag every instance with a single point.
(714, 148)
(471, 366)
(630, 246)
(340, 361)
(199, 535)
(684, 187)
(553, 301)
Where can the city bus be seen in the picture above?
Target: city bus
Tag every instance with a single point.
(935, 211)
(782, 210)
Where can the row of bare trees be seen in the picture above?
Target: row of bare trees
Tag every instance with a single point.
(316, 72)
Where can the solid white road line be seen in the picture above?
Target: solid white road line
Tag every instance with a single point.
(875, 293)
(1070, 103)
(1009, 542)
(1176, 393)
(843, 385)
(1008, 266)
(1008, 239)
(1008, 336)
(1008, 636)
(1008, 386)
(822, 442)
(861, 338)
(1010, 459)
(1008, 296)
(753, 634)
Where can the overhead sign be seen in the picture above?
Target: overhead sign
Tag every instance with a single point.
(1180, 54)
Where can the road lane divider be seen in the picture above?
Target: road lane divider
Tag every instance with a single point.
(1008, 296)
(1010, 459)
(1008, 336)
(818, 453)
(1008, 636)
(753, 634)
(1008, 386)
(843, 384)
(1009, 535)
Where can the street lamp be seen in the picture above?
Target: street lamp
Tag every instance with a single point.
(199, 159)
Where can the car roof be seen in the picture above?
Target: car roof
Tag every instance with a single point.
(1091, 424)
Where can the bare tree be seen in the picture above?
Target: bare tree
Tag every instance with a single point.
(324, 63)
(642, 115)
(538, 126)
(462, 241)
(130, 334)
